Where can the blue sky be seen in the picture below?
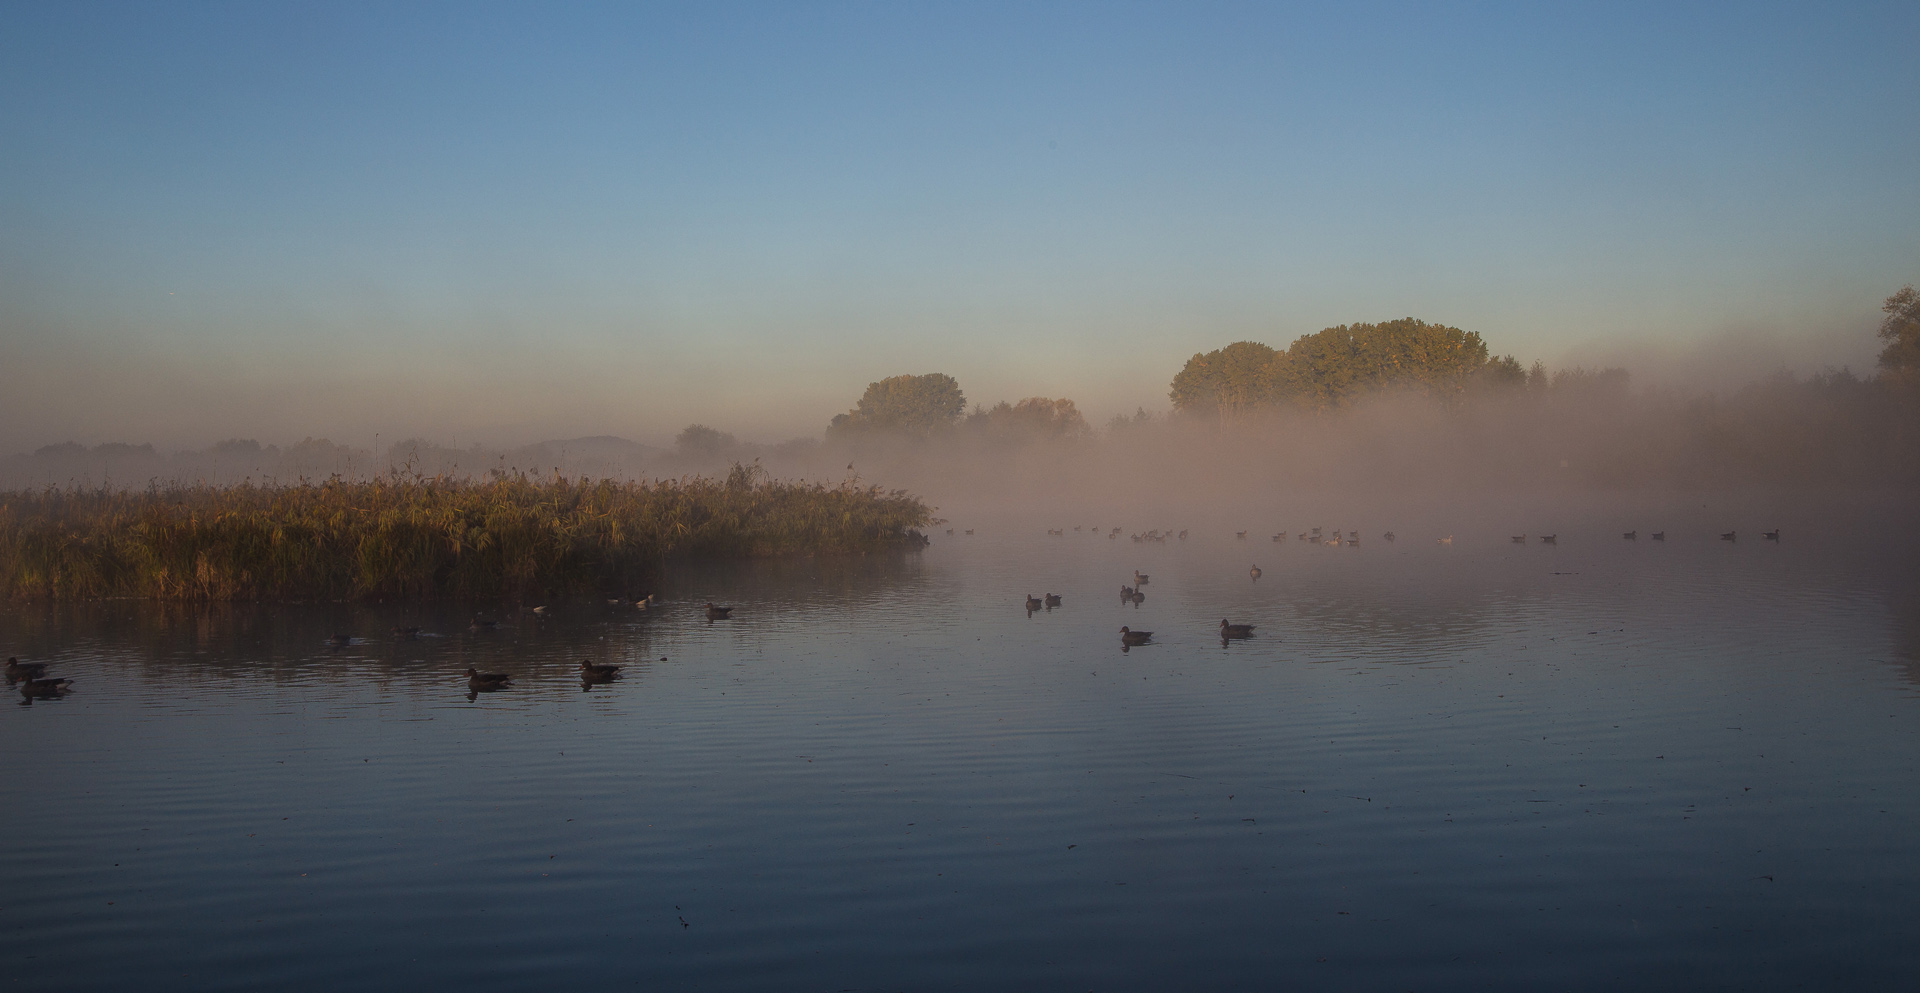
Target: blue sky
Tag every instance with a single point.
(509, 222)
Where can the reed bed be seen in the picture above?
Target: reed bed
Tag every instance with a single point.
(422, 538)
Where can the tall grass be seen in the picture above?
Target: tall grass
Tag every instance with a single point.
(419, 538)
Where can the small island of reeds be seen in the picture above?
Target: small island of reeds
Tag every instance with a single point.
(421, 538)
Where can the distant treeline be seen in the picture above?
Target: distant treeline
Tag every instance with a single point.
(510, 534)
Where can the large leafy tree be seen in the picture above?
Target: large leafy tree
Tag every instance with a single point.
(1333, 366)
(1032, 419)
(1901, 330)
(1225, 381)
(905, 404)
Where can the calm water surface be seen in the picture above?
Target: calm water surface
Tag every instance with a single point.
(1595, 765)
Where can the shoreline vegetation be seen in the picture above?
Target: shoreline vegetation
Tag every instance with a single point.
(417, 537)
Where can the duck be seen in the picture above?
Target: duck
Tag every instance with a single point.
(1235, 630)
(18, 670)
(641, 604)
(588, 670)
(718, 613)
(1388, 536)
(1131, 637)
(44, 687)
(1183, 534)
(1550, 539)
(1052, 599)
(1730, 536)
(1254, 572)
(969, 530)
(1658, 536)
(487, 682)
(1631, 536)
(1139, 578)
(1126, 592)
(1033, 603)
(1773, 535)
(482, 623)
(1138, 598)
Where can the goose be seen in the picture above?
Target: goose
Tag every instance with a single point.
(487, 682)
(1355, 535)
(44, 687)
(1631, 536)
(1139, 578)
(1138, 598)
(1282, 536)
(588, 670)
(1130, 637)
(1183, 534)
(1033, 603)
(969, 530)
(718, 613)
(1551, 539)
(1730, 536)
(1658, 536)
(1353, 541)
(1126, 592)
(1254, 572)
(1773, 535)
(1235, 630)
(1052, 599)
(18, 670)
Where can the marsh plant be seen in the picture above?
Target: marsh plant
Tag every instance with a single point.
(418, 537)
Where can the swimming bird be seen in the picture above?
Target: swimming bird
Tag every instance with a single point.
(1183, 534)
(641, 603)
(1631, 536)
(1730, 536)
(1448, 540)
(1254, 572)
(969, 530)
(1235, 630)
(44, 687)
(406, 632)
(1052, 600)
(718, 613)
(1282, 536)
(1129, 637)
(487, 682)
(1139, 578)
(1773, 535)
(1551, 539)
(339, 640)
(1389, 536)
(1242, 535)
(18, 670)
(482, 623)
(1033, 603)
(588, 670)
(1519, 539)
(1138, 598)
(1658, 536)
(1126, 592)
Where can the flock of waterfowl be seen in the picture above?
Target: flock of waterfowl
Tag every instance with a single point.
(33, 680)
(1130, 638)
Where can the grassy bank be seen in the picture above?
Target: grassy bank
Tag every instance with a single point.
(423, 537)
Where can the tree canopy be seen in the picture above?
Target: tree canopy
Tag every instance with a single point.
(906, 404)
(1032, 419)
(1334, 366)
(1901, 330)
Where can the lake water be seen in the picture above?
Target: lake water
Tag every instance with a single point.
(1592, 765)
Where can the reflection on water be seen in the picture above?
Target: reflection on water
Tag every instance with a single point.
(1593, 764)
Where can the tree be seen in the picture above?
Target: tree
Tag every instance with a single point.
(1224, 382)
(916, 405)
(1901, 330)
(1332, 367)
(1032, 419)
(698, 439)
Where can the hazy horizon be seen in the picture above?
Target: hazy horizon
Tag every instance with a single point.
(504, 224)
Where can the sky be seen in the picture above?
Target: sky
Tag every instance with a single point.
(502, 223)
